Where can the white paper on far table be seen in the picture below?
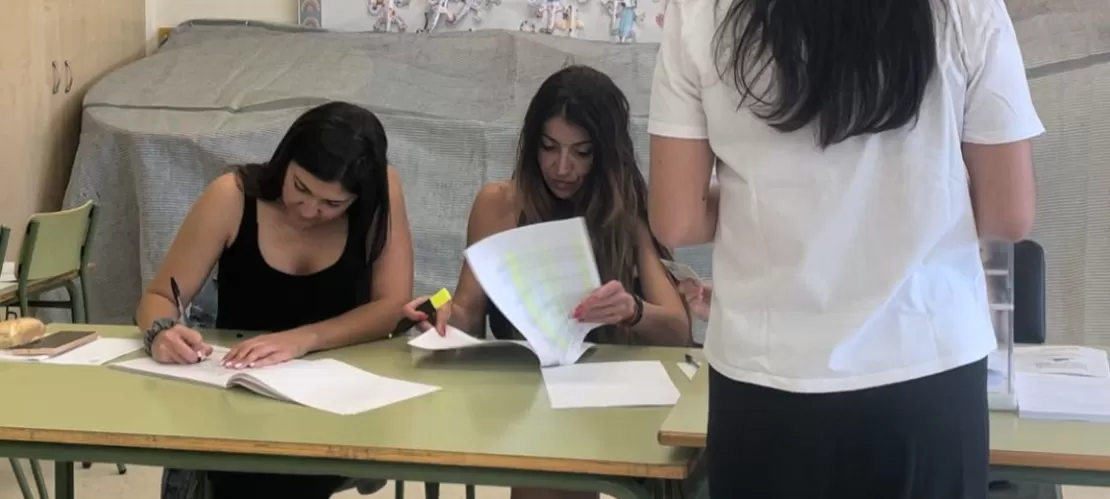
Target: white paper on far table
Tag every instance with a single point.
(537, 275)
(7, 272)
(1062, 397)
(609, 384)
(455, 340)
(1060, 359)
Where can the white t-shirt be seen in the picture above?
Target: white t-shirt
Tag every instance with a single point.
(855, 266)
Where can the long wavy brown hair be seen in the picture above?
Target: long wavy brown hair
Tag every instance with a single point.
(613, 197)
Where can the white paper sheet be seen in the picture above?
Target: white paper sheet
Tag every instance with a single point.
(688, 369)
(1060, 359)
(97, 352)
(1063, 398)
(337, 387)
(537, 275)
(94, 353)
(609, 384)
(454, 340)
(7, 272)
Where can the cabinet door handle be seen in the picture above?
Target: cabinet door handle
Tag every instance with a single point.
(69, 77)
(57, 80)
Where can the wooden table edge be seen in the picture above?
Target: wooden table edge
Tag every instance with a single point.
(1079, 462)
(288, 449)
(682, 439)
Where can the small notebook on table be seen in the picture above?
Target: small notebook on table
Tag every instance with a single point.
(326, 384)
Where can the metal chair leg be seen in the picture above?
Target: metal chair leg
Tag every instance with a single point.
(86, 465)
(470, 493)
(431, 490)
(40, 481)
(21, 479)
(399, 489)
(121, 468)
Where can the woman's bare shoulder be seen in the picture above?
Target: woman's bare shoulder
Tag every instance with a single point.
(221, 204)
(495, 209)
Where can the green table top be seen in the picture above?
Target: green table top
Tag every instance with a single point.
(492, 411)
(1014, 441)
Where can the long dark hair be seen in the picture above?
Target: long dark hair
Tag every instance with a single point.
(335, 142)
(613, 199)
(853, 67)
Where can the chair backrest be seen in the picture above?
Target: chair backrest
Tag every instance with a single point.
(1029, 292)
(4, 234)
(56, 243)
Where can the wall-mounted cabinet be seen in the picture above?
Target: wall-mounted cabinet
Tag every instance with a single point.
(51, 52)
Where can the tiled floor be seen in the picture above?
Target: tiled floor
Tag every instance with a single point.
(102, 482)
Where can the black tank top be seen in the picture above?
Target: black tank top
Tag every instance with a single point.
(255, 297)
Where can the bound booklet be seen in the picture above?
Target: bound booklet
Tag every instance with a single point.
(327, 385)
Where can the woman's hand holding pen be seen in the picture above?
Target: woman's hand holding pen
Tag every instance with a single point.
(442, 314)
(180, 345)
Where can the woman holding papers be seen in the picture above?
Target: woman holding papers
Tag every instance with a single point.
(576, 159)
(313, 249)
(863, 149)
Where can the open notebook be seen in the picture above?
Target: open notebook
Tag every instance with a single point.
(326, 384)
(455, 339)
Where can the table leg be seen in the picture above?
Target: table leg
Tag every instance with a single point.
(63, 480)
(21, 479)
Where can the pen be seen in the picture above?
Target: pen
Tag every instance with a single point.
(429, 308)
(181, 309)
(177, 302)
(692, 361)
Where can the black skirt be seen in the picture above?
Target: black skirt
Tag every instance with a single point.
(922, 439)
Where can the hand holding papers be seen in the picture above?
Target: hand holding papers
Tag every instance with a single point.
(537, 275)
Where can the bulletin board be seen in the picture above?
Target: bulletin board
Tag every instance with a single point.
(618, 21)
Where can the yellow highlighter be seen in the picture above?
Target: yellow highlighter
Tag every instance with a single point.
(429, 307)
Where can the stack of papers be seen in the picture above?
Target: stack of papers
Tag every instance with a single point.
(94, 353)
(1062, 383)
(537, 275)
(327, 385)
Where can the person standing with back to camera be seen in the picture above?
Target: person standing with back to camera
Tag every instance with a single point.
(864, 149)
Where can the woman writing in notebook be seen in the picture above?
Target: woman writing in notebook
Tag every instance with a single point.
(313, 249)
(576, 159)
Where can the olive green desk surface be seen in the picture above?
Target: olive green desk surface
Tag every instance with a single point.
(492, 412)
(1014, 442)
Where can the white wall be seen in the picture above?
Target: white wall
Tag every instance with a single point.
(169, 13)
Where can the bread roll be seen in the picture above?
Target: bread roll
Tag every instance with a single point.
(20, 331)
